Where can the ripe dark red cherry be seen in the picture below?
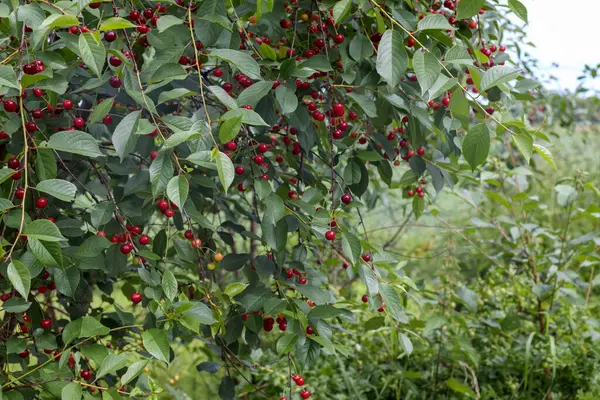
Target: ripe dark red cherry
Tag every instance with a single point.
(410, 42)
(169, 213)
(346, 198)
(86, 375)
(263, 148)
(20, 193)
(135, 297)
(268, 324)
(94, 5)
(258, 159)
(24, 353)
(115, 61)
(420, 151)
(143, 29)
(239, 170)
(285, 23)
(126, 248)
(366, 257)
(365, 298)
(41, 202)
(45, 323)
(338, 110)
(110, 36)
(10, 106)
(134, 15)
(339, 38)
(472, 24)
(218, 72)
(107, 120)
(300, 380)
(446, 101)
(38, 92)
(115, 82)
(330, 235)
(305, 394)
(14, 163)
(67, 104)
(144, 240)
(78, 123)
(309, 331)
(163, 205)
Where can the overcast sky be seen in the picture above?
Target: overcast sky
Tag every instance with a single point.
(565, 32)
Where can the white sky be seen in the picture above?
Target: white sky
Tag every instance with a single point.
(564, 32)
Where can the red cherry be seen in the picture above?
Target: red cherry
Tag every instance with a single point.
(263, 148)
(134, 15)
(309, 331)
(14, 163)
(446, 101)
(285, 23)
(101, 233)
(345, 265)
(365, 298)
(45, 323)
(110, 36)
(115, 82)
(126, 248)
(24, 353)
(144, 240)
(410, 42)
(330, 235)
(268, 324)
(153, 155)
(78, 123)
(339, 38)
(366, 257)
(143, 29)
(472, 24)
(86, 375)
(239, 170)
(41, 202)
(410, 193)
(45, 274)
(189, 235)
(346, 198)
(115, 61)
(338, 110)
(135, 297)
(300, 381)
(258, 159)
(305, 394)
(107, 120)
(231, 146)
(94, 5)
(163, 205)
(169, 213)
(218, 72)
(67, 104)
(420, 151)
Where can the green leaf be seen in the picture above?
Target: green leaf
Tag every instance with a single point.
(178, 189)
(392, 60)
(43, 229)
(92, 53)
(519, 9)
(405, 343)
(167, 21)
(67, 281)
(8, 78)
(169, 285)
(6, 173)
(249, 117)
(242, 61)
(75, 142)
(235, 288)
(92, 327)
(59, 188)
(468, 8)
(327, 311)
(100, 110)
(351, 247)
(441, 85)
(134, 371)
(225, 170)
(461, 388)
(393, 303)
(223, 97)
(19, 277)
(458, 55)
(93, 246)
(156, 343)
(174, 94)
(123, 137)
(434, 21)
(201, 313)
(367, 105)
(286, 343)
(72, 391)
(476, 145)
(498, 75)
(110, 364)
(115, 23)
(170, 72)
(426, 68)
(545, 153)
(524, 143)
(253, 94)
(360, 47)
(53, 21)
(418, 206)
(230, 128)
(57, 84)
(267, 51)
(161, 172)
(341, 10)
(48, 253)
(286, 97)
(368, 277)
